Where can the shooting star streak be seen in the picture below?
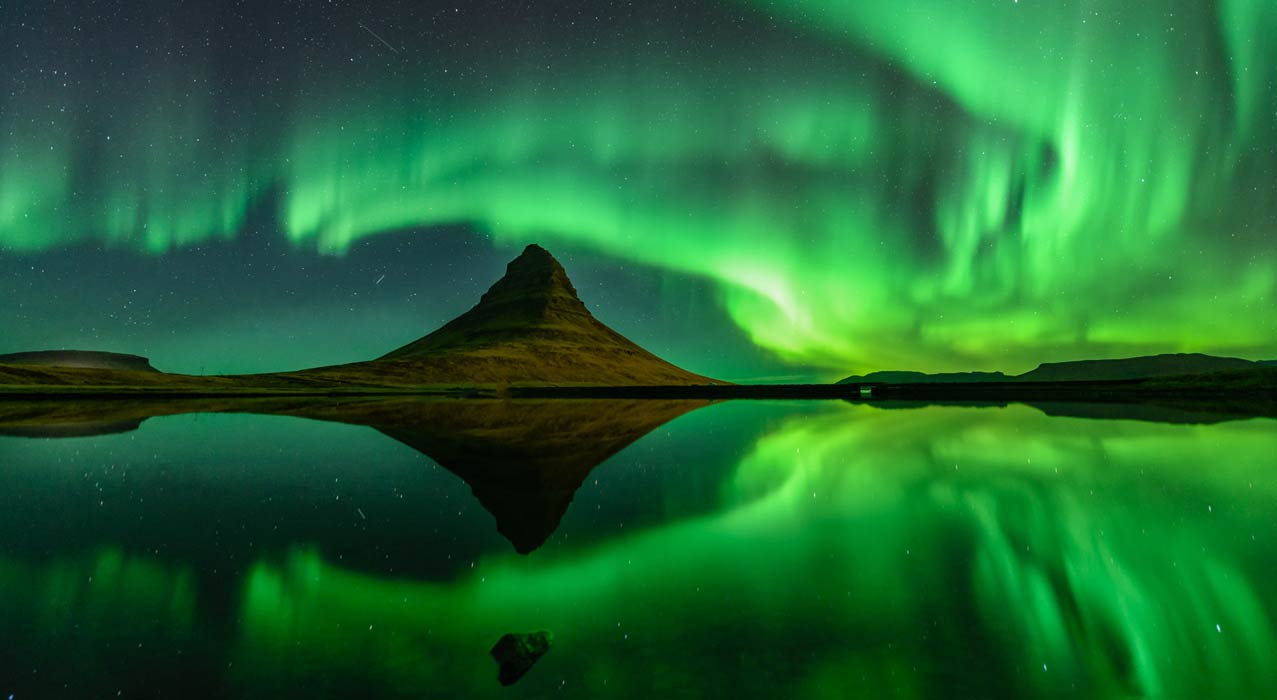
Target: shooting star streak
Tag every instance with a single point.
(377, 36)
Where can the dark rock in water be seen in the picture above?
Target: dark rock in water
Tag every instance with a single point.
(517, 653)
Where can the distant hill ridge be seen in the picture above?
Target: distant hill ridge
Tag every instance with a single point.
(1149, 366)
(906, 377)
(84, 359)
(1134, 368)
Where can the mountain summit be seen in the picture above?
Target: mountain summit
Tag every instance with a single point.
(535, 299)
(530, 327)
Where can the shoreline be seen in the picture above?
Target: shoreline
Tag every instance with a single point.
(1091, 391)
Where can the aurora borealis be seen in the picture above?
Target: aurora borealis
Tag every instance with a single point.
(919, 184)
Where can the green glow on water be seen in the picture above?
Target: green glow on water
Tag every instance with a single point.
(88, 592)
(850, 549)
(72, 621)
(1052, 556)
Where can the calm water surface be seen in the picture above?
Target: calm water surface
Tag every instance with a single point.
(739, 550)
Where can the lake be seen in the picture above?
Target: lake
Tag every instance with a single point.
(819, 549)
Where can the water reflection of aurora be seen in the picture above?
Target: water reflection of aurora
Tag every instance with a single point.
(907, 553)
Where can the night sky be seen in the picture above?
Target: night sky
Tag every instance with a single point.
(754, 189)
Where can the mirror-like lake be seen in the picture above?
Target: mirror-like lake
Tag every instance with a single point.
(674, 549)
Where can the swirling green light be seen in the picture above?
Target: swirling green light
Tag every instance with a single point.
(938, 185)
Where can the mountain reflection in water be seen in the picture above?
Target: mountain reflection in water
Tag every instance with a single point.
(800, 549)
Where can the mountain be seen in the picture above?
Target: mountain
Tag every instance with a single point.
(1267, 363)
(904, 377)
(79, 359)
(531, 328)
(525, 460)
(1134, 368)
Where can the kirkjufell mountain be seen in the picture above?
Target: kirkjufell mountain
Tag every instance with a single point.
(532, 328)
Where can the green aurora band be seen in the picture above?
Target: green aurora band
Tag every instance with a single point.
(930, 184)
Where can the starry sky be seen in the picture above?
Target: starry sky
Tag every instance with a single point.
(754, 189)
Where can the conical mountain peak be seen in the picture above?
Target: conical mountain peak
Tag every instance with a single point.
(535, 273)
(531, 326)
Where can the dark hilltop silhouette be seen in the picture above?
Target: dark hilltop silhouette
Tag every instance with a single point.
(1177, 387)
(1146, 367)
(907, 377)
(1172, 365)
(80, 359)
